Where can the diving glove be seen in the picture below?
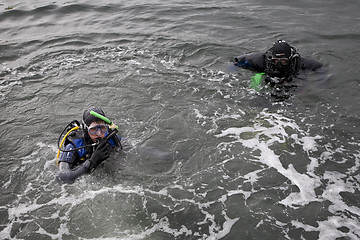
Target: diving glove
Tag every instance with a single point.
(101, 153)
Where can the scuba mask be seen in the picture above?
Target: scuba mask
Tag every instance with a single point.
(98, 129)
(280, 61)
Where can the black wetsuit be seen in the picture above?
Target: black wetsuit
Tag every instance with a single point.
(279, 79)
(73, 164)
(260, 62)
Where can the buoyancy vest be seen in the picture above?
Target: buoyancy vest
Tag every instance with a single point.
(83, 154)
(80, 142)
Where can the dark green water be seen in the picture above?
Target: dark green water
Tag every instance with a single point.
(246, 167)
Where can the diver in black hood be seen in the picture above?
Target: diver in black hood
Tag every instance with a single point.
(87, 145)
(281, 63)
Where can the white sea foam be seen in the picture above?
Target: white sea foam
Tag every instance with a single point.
(268, 130)
(330, 228)
(162, 225)
(276, 133)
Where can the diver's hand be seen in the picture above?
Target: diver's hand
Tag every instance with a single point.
(101, 153)
(243, 63)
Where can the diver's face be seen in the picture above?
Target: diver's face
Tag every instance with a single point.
(280, 63)
(97, 130)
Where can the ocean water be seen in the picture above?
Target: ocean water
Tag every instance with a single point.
(211, 158)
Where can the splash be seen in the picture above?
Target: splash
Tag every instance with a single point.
(270, 129)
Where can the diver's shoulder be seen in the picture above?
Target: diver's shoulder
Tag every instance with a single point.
(308, 63)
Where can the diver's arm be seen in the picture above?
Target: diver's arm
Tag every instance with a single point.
(310, 64)
(68, 175)
(251, 61)
(66, 172)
